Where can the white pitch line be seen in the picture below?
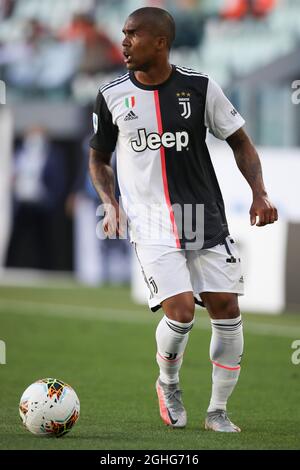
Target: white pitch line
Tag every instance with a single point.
(25, 307)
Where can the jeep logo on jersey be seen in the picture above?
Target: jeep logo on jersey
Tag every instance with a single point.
(154, 141)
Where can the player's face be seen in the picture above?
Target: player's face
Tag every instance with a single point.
(139, 45)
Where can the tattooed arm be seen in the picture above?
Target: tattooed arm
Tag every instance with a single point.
(249, 165)
(102, 175)
(103, 179)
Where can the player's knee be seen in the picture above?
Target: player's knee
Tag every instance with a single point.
(229, 308)
(222, 306)
(186, 316)
(181, 310)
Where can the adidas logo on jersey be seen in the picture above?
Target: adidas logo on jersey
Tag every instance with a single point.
(130, 116)
(154, 141)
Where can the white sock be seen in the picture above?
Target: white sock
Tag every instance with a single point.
(226, 349)
(171, 339)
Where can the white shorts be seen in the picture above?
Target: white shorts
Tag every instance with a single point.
(170, 271)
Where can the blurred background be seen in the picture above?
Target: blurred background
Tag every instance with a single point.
(54, 55)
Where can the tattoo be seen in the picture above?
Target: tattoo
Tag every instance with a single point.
(103, 178)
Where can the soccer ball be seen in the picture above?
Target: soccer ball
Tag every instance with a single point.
(49, 407)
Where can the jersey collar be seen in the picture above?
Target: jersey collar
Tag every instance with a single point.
(152, 87)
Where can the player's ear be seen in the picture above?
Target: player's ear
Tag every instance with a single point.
(161, 43)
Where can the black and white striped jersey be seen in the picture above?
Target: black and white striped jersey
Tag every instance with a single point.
(164, 168)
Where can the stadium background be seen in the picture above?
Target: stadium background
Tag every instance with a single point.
(67, 299)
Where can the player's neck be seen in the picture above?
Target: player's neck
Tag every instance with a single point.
(154, 76)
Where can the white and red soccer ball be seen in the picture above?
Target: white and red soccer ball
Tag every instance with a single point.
(49, 407)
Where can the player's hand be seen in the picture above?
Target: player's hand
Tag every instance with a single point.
(114, 221)
(263, 209)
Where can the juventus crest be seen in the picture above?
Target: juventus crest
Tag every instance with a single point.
(184, 102)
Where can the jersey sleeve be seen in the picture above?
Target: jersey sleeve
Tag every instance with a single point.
(105, 131)
(221, 118)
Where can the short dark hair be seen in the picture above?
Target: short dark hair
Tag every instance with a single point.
(160, 20)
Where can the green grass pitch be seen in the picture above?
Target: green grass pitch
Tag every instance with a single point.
(103, 345)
